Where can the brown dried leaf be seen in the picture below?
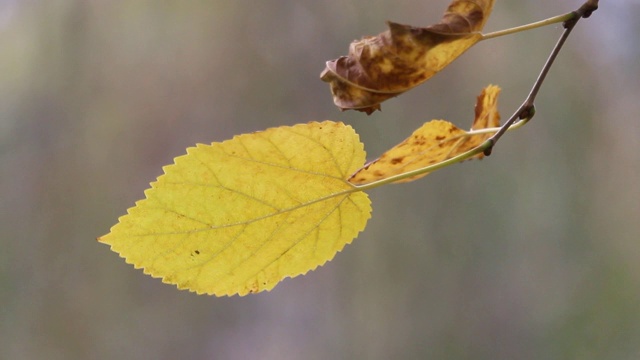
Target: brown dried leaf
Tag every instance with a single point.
(381, 67)
(434, 142)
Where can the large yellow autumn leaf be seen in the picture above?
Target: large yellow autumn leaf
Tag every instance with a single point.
(239, 216)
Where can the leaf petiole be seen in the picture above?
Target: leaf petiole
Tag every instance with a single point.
(493, 130)
(533, 25)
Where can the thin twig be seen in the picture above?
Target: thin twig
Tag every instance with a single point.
(527, 109)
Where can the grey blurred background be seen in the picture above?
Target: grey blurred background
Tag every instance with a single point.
(532, 253)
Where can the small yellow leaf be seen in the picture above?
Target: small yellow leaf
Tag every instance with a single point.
(239, 216)
(381, 67)
(434, 142)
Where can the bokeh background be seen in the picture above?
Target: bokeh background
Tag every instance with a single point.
(532, 253)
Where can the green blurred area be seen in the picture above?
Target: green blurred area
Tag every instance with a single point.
(532, 253)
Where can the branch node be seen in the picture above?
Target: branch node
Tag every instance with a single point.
(588, 8)
(487, 151)
(527, 112)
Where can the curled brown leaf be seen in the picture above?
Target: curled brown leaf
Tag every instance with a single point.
(434, 142)
(381, 67)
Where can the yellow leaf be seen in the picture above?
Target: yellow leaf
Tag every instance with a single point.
(381, 67)
(239, 216)
(434, 142)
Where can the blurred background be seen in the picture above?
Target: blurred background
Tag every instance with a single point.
(532, 253)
